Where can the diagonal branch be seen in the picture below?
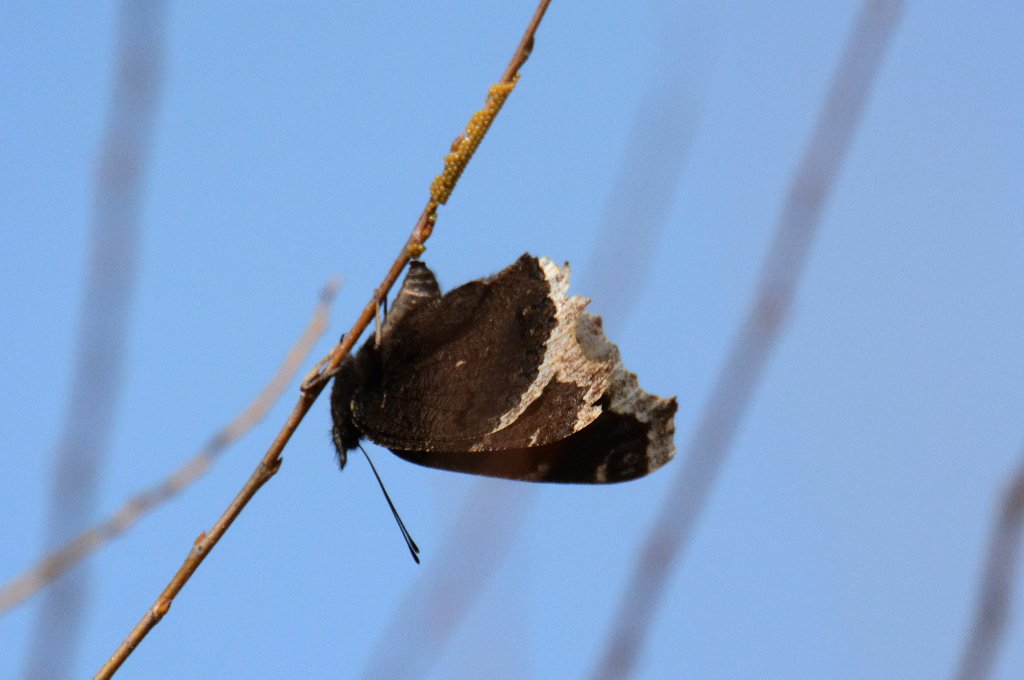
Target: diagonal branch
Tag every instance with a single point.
(312, 386)
(993, 609)
(757, 337)
(56, 563)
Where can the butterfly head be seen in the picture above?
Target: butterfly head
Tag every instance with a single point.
(346, 433)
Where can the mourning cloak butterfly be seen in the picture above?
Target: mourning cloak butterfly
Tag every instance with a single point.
(506, 376)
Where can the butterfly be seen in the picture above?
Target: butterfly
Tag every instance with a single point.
(506, 376)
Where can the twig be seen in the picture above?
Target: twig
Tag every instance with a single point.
(443, 594)
(757, 337)
(103, 324)
(993, 608)
(53, 565)
(312, 386)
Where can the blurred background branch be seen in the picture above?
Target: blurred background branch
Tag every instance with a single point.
(57, 562)
(103, 327)
(703, 457)
(992, 613)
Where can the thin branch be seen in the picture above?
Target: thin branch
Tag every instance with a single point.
(815, 176)
(993, 609)
(26, 584)
(102, 327)
(312, 386)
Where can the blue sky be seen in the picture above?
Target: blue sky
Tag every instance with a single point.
(845, 535)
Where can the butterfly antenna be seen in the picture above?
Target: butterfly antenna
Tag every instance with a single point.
(413, 548)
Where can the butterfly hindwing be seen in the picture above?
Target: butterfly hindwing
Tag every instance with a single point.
(632, 437)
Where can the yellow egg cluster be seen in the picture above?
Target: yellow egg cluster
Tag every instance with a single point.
(466, 144)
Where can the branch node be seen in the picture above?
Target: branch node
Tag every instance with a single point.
(270, 469)
(161, 607)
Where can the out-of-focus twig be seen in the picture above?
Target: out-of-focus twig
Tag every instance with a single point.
(318, 378)
(993, 608)
(423, 623)
(640, 201)
(442, 595)
(53, 565)
(757, 337)
(103, 324)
